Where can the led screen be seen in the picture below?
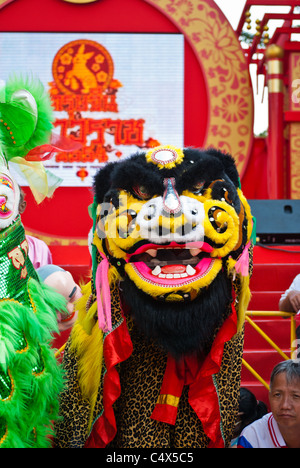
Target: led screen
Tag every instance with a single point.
(115, 94)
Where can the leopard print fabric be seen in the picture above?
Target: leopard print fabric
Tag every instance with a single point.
(227, 383)
(141, 377)
(71, 429)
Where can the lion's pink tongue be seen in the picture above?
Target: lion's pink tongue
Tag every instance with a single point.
(173, 269)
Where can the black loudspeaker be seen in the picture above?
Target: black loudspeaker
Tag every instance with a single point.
(277, 221)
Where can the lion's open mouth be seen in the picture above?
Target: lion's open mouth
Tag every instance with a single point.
(173, 263)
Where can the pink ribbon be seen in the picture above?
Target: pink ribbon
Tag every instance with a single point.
(242, 264)
(103, 295)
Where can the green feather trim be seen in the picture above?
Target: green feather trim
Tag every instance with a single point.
(28, 117)
(30, 378)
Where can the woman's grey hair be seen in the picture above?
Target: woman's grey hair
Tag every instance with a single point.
(291, 369)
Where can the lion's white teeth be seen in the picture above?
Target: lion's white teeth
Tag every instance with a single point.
(172, 276)
(156, 270)
(190, 270)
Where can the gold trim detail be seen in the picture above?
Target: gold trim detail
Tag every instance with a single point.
(4, 436)
(294, 102)
(275, 67)
(275, 85)
(5, 2)
(295, 160)
(80, 1)
(168, 400)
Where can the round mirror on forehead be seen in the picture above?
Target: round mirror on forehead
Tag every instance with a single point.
(164, 156)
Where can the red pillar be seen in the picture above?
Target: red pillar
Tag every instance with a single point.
(274, 56)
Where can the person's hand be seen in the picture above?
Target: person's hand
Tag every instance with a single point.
(294, 298)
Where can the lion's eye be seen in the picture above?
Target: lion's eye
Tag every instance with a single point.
(141, 192)
(197, 189)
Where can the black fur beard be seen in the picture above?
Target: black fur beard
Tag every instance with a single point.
(181, 329)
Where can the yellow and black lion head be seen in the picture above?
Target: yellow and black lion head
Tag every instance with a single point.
(172, 223)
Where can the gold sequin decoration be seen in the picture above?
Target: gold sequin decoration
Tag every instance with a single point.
(40, 365)
(3, 430)
(23, 345)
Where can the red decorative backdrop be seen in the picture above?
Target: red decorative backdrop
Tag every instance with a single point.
(217, 92)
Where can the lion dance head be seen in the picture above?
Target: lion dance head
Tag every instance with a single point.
(174, 229)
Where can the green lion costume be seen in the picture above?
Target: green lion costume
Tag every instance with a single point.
(30, 379)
